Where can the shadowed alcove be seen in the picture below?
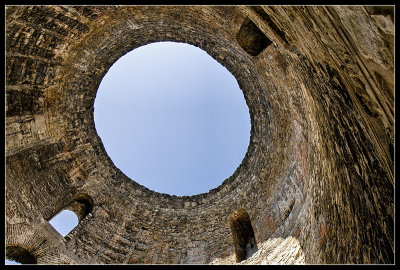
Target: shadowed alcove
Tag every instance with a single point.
(243, 235)
(20, 255)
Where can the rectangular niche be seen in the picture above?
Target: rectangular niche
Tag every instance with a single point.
(251, 38)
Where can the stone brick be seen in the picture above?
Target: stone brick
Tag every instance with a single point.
(317, 181)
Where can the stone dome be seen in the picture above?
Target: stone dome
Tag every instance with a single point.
(316, 185)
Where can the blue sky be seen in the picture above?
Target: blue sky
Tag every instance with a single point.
(172, 119)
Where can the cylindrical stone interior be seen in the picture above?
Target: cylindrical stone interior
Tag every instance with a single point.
(316, 185)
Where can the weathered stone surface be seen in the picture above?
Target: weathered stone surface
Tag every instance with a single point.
(317, 181)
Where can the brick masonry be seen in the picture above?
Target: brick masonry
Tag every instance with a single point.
(317, 181)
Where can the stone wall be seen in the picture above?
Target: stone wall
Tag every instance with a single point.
(317, 180)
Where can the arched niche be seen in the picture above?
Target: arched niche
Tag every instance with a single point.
(20, 255)
(243, 235)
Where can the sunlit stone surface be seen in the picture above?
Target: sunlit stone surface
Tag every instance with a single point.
(317, 181)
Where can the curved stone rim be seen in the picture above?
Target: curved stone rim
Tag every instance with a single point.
(237, 62)
(243, 143)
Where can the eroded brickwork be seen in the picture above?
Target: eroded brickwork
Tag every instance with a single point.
(317, 181)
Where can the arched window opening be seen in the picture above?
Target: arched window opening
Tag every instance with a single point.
(81, 206)
(19, 255)
(64, 222)
(243, 235)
